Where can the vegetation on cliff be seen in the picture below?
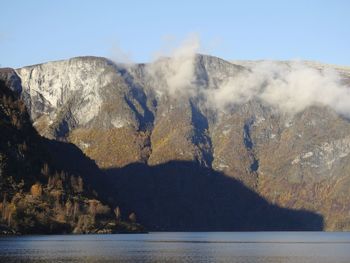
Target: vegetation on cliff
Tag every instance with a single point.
(37, 194)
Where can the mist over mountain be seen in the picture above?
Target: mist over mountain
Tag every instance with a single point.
(194, 142)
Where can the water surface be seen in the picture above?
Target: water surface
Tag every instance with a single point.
(243, 247)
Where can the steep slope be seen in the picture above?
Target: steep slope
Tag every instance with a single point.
(68, 103)
(40, 191)
(158, 114)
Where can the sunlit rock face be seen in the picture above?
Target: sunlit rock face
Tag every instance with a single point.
(43, 191)
(292, 148)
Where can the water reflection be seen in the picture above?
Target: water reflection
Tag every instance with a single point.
(258, 247)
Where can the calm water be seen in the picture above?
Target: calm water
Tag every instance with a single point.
(180, 247)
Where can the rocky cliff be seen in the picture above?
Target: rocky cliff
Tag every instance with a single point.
(42, 190)
(270, 126)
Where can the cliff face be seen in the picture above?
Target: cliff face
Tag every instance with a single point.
(41, 192)
(119, 115)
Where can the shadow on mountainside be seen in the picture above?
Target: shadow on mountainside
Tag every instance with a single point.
(70, 158)
(183, 196)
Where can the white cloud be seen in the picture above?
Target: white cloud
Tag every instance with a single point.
(118, 55)
(290, 87)
(176, 72)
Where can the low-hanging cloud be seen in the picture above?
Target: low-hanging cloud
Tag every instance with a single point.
(119, 56)
(176, 71)
(290, 87)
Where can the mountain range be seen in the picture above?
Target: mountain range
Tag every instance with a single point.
(199, 143)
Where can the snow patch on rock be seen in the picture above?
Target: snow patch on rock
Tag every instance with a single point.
(307, 155)
(118, 122)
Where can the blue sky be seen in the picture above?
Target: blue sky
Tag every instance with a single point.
(38, 31)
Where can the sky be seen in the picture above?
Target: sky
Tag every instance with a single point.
(38, 31)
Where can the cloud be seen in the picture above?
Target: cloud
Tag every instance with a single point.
(174, 73)
(290, 87)
(119, 56)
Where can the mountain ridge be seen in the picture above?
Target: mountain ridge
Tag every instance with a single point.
(158, 113)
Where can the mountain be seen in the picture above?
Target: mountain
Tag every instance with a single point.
(40, 191)
(200, 143)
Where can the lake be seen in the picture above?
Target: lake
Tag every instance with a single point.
(243, 247)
